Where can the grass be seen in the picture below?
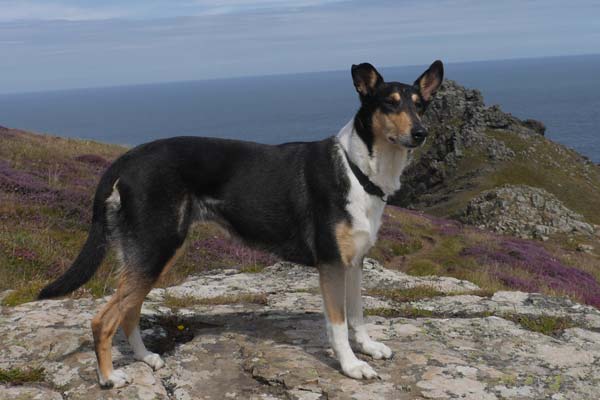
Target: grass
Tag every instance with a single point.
(404, 295)
(190, 301)
(46, 190)
(405, 312)
(252, 268)
(23, 294)
(47, 183)
(538, 162)
(544, 324)
(19, 376)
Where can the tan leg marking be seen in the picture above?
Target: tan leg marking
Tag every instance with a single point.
(172, 261)
(345, 242)
(129, 296)
(332, 280)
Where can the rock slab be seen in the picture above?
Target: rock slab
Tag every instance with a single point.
(278, 349)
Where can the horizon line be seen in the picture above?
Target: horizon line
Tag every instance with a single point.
(282, 74)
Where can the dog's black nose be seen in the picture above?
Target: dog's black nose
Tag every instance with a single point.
(419, 134)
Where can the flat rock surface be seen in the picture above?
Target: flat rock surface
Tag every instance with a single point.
(277, 348)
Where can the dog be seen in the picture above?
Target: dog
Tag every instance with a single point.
(313, 203)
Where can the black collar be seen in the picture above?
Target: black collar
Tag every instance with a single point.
(364, 180)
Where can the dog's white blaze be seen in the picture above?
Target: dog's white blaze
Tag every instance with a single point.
(384, 169)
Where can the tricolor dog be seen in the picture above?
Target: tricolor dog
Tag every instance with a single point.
(314, 203)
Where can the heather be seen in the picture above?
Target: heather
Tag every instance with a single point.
(543, 270)
(439, 246)
(46, 190)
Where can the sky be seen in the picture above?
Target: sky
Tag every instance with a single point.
(61, 44)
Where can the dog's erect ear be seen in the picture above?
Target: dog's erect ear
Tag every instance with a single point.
(429, 82)
(366, 79)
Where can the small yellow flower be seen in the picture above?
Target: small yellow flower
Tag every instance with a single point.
(180, 327)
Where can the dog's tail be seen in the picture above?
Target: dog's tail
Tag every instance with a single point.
(85, 266)
(95, 248)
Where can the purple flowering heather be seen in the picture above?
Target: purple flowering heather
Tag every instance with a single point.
(544, 269)
(12, 180)
(516, 282)
(25, 254)
(391, 230)
(94, 160)
(444, 226)
(34, 190)
(218, 251)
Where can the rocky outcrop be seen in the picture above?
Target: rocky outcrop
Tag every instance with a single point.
(523, 211)
(473, 148)
(454, 346)
(535, 125)
(457, 119)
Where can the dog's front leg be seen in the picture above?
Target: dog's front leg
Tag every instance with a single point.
(357, 327)
(333, 288)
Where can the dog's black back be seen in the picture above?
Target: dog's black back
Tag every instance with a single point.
(285, 198)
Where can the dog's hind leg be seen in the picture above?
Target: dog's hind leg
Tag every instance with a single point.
(130, 293)
(333, 288)
(131, 328)
(356, 325)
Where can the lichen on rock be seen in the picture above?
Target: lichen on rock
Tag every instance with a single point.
(279, 349)
(523, 211)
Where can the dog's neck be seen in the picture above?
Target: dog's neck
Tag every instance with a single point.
(383, 167)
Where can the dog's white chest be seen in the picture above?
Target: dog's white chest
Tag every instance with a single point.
(384, 168)
(366, 212)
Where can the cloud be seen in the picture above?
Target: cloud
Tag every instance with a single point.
(15, 10)
(71, 10)
(255, 37)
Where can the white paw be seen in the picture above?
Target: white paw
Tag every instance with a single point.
(358, 369)
(377, 350)
(117, 379)
(152, 359)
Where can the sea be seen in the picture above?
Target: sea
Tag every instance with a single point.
(562, 92)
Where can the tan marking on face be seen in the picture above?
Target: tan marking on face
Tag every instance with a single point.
(415, 98)
(345, 242)
(395, 125)
(402, 122)
(394, 96)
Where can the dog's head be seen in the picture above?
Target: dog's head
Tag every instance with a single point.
(391, 112)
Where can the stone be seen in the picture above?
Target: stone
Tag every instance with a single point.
(537, 126)
(585, 248)
(523, 211)
(279, 349)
